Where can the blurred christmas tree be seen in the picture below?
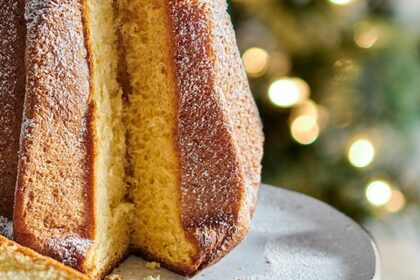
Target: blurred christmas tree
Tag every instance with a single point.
(337, 86)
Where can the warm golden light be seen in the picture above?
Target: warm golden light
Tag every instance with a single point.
(306, 108)
(397, 202)
(341, 2)
(305, 130)
(361, 153)
(313, 110)
(288, 92)
(366, 35)
(379, 192)
(256, 61)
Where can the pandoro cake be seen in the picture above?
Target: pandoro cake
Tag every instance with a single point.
(139, 134)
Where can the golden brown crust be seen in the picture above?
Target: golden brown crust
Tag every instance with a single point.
(12, 91)
(56, 160)
(8, 247)
(218, 131)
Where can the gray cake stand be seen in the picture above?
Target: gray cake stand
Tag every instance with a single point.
(292, 237)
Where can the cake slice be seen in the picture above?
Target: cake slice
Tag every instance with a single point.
(139, 128)
(17, 263)
(12, 91)
(194, 136)
(70, 191)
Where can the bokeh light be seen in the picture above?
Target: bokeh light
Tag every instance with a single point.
(397, 202)
(341, 2)
(379, 192)
(256, 61)
(288, 92)
(306, 108)
(366, 35)
(361, 153)
(305, 129)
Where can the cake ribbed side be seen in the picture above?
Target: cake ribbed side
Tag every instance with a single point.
(70, 199)
(218, 132)
(12, 91)
(54, 197)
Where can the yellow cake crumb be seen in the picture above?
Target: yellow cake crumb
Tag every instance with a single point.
(152, 265)
(150, 277)
(154, 165)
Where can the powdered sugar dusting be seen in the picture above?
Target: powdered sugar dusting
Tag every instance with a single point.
(214, 178)
(211, 169)
(6, 227)
(69, 250)
(237, 100)
(54, 188)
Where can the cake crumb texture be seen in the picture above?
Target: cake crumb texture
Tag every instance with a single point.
(154, 164)
(139, 134)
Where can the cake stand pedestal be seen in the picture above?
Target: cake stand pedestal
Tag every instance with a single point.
(292, 237)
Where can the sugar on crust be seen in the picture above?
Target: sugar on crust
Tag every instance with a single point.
(139, 134)
(17, 263)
